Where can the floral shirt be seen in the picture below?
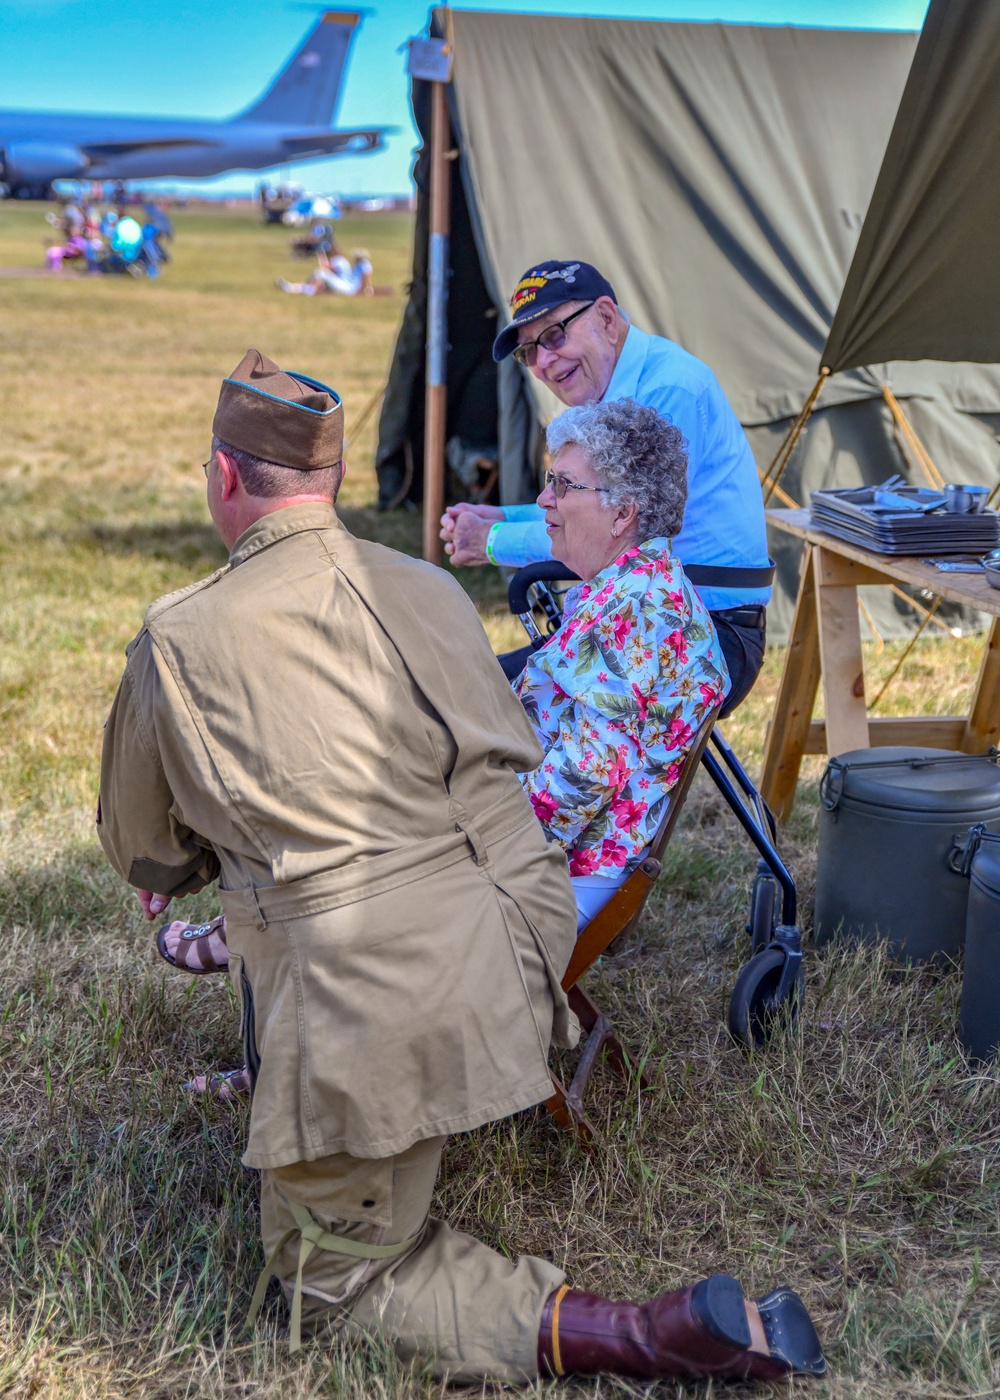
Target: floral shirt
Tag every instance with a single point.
(616, 697)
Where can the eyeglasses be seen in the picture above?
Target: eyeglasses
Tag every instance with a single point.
(562, 484)
(205, 465)
(552, 338)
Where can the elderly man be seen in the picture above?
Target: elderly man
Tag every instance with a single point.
(319, 726)
(566, 328)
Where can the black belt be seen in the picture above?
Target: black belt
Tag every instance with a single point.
(722, 576)
(750, 615)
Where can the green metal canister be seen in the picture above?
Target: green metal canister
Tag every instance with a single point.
(892, 833)
(979, 1020)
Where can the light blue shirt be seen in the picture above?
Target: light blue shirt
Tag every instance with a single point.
(724, 517)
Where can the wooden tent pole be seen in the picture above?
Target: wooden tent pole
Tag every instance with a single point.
(770, 479)
(906, 428)
(436, 381)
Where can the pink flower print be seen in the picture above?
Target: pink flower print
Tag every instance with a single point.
(670, 777)
(677, 599)
(628, 814)
(602, 676)
(678, 642)
(549, 768)
(583, 862)
(632, 553)
(678, 734)
(709, 694)
(644, 783)
(643, 701)
(618, 774)
(545, 806)
(545, 714)
(622, 627)
(612, 853)
(557, 691)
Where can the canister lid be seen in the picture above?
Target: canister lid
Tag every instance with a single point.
(913, 780)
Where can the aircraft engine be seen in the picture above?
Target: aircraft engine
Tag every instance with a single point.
(40, 162)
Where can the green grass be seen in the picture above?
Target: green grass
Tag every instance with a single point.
(857, 1158)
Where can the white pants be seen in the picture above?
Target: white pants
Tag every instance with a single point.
(592, 893)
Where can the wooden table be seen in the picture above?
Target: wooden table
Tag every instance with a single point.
(825, 644)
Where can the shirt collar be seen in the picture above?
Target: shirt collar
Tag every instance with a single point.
(279, 524)
(656, 547)
(624, 382)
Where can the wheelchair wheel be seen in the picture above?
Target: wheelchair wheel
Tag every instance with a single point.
(763, 911)
(753, 1011)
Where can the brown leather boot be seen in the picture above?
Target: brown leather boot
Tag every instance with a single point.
(699, 1331)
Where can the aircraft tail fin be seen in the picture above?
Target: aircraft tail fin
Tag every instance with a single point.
(305, 92)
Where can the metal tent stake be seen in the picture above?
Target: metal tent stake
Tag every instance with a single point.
(436, 390)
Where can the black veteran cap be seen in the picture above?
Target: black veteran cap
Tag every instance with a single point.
(544, 287)
(279, 416)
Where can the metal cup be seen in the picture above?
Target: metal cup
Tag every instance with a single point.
(965, 500)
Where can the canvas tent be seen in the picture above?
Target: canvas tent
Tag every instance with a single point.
(718, 174)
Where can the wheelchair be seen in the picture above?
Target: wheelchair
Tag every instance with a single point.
(769, 988)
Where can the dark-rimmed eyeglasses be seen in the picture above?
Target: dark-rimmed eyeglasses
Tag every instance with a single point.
(562, 484)
(552, 338)
(205, 465)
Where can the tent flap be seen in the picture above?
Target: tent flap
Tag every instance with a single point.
(925, 279)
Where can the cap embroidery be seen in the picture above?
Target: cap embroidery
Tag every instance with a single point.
(527, 289)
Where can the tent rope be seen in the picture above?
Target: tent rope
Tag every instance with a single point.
(928, 615)
(920, 453)
(770, 479)
(366, 412)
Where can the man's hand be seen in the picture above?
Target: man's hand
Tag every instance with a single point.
(154, 904)
(464, 528)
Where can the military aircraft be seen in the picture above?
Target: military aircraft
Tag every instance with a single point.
(290, 122)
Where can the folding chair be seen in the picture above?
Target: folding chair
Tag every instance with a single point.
(616, 920)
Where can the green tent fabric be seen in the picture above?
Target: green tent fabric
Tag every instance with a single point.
(719, 176)
(925, 279)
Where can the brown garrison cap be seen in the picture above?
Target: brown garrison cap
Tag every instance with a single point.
(281, 417)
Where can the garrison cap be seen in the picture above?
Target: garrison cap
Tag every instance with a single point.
(544, 287)
(280, 416)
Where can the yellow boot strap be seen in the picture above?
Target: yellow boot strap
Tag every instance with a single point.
(312, 1237)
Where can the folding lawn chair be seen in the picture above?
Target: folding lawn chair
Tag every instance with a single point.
(616, 920)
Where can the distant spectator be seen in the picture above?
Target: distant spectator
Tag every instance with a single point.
(336, 274)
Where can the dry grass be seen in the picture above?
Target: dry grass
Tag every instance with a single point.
(857, 1158)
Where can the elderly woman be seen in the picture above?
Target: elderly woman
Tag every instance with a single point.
(617, 695)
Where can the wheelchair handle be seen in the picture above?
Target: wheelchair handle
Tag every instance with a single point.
(545, 571)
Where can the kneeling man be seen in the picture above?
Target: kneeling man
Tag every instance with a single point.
(321, 727)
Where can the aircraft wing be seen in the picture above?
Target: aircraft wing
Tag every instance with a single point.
(316, 142)
(106, 150)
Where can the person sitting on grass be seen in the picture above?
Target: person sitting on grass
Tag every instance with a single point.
(321, 727)
(334, 273)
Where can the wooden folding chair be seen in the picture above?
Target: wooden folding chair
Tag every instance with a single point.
(616, 920)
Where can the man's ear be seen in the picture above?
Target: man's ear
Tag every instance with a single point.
(229, 474)
(607, 313)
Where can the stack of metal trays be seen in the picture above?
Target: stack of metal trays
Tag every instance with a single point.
(895, 518)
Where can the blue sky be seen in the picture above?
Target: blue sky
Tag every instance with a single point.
(210, 58)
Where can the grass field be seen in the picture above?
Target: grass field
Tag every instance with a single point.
(856, 1159)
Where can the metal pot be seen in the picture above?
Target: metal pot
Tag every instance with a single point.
(991, 567)
(965, 500)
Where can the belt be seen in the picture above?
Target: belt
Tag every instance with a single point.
(749, 616)
(725, 576)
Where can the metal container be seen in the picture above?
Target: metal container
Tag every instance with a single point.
(991, 567)
(965, 500)
(892, 835)
(979, 1020)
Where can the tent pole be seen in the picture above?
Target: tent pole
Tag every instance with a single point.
(923, 457)
(436, 381)
(770, 479)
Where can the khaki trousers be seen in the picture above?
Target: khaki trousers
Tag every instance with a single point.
(449, 1297)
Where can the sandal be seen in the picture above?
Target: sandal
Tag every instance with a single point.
(199, 947)
(222, 1086)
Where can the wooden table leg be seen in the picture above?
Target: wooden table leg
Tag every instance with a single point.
(983, 725)
(786, 738)
(840, 655)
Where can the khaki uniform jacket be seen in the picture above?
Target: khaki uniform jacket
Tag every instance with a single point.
(322, 726)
